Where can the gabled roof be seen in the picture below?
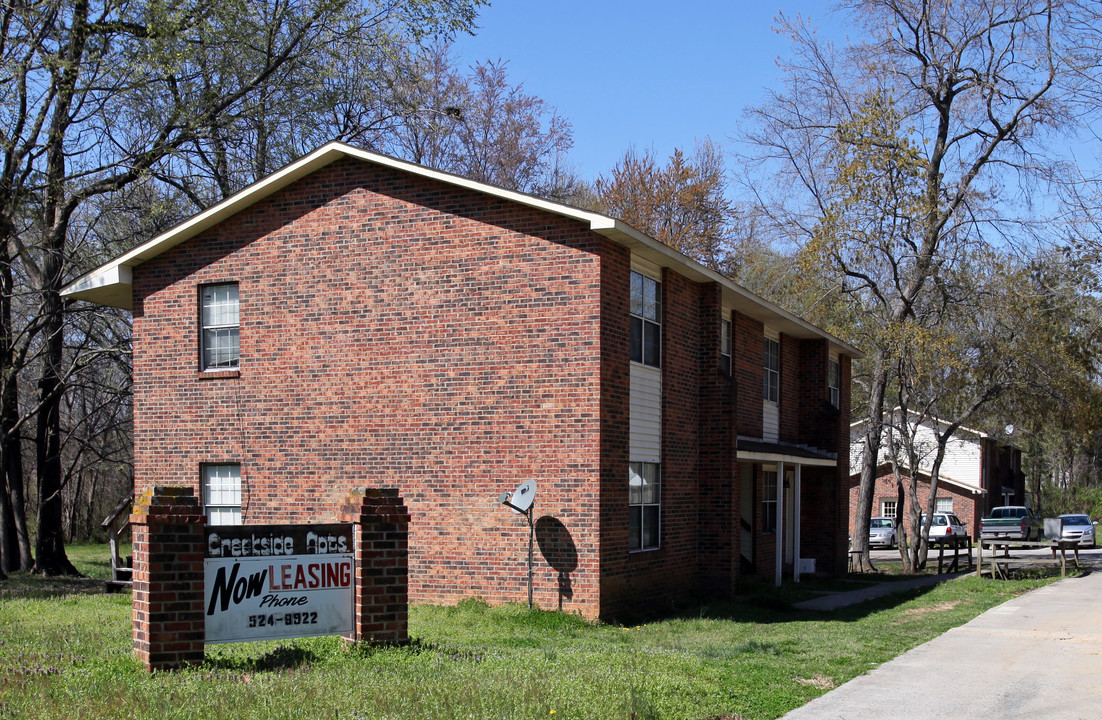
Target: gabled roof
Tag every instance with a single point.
(112, 283)
(940, 423)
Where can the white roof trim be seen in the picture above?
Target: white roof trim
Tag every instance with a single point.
(763, 457)
(111, 283)
(940, 423)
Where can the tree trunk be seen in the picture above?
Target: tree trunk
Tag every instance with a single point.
(50, 546)
(15, 545)
(878, 384)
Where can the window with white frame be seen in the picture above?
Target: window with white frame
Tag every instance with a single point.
(725, 344)
(943, 504)
(769, 501)
(646, 320)
(771, 376)
(644, 505)
(834, 381)
(887, 508)
(222, 493)
(220, 332)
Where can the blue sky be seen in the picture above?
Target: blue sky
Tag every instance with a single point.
(643, 74)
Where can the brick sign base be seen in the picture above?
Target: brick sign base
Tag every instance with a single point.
(168, 526)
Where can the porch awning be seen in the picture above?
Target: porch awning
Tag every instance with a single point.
(754, 450)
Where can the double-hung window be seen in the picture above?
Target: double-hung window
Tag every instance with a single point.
(771, 375)
(220, 332)
(646, 320)
(887, 508)
(769, 502)
(834, 381)
(725, 345)
(644, 505)
(222, 493)
(943, 505)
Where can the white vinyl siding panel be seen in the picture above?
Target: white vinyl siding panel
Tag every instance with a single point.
(770, 421)
(646, 414)
(962, 459)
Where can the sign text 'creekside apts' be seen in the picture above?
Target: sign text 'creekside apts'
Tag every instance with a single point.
(267, 582)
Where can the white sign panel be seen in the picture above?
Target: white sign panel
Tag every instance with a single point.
(268, 582)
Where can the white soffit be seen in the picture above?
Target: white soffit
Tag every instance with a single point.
(111, 283)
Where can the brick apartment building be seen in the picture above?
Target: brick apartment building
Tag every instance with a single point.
(358, 321)
(979, 472)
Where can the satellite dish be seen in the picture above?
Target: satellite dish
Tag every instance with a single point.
(523, 497)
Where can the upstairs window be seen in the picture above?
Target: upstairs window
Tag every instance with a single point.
(771, 377)
(725, 344)
(834, 381)
(222, 494)
(220, 321)
(646, 319)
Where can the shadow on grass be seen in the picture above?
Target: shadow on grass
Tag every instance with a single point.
(33, 586)
(278, 658)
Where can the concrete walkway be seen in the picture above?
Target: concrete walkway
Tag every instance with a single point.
(833, 601)
(1036, 656)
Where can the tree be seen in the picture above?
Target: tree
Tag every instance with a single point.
(477, 124)
(682, 204)
(100, 94)
(898, 158)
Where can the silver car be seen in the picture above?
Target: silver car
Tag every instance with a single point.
(1077, 527)
(882, 532)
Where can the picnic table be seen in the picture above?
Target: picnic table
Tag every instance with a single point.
(1000, 566)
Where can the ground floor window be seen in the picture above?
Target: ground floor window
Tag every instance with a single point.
(644, 505)
(769, 501)
(887, 508)
(944, 504)
(222, 493)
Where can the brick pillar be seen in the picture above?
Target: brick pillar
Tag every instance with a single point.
(168, 577)
(382, 564)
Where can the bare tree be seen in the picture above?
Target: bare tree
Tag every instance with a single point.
(100, 94)
(938, 114)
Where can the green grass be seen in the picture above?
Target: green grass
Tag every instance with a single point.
(67, 654)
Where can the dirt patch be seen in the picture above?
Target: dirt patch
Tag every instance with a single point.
(819, 681)
(940, 607)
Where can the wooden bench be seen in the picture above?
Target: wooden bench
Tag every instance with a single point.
(117, 523)
(954, 563)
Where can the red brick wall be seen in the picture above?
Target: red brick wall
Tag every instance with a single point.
(718, 512)
(397, 333)
(666, 574)
(697, 550)
(749, 349)
(402, 333)
(792, 385)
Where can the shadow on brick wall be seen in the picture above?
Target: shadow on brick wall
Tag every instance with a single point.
(558, 549)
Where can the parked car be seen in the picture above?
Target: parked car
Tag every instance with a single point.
(945, 527)
(1077, 527)
(882, 532)
(1011, 522)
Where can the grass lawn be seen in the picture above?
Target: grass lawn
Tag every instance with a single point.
(65, 652)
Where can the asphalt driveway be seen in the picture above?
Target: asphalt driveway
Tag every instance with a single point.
(1036, 656)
